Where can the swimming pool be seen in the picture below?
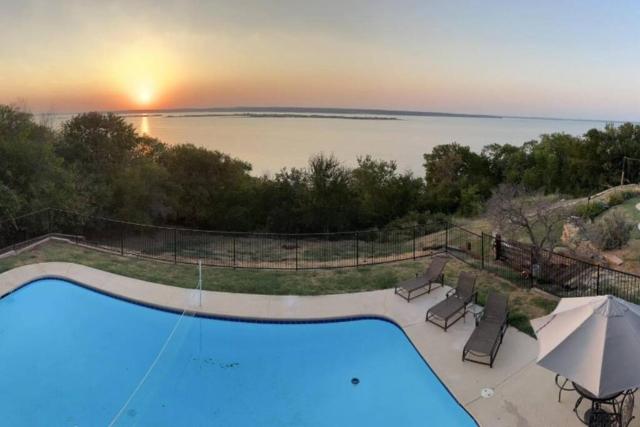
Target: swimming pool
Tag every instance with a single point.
(73, 356)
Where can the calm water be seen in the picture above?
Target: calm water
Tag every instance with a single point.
(272, 143)
(73, 357)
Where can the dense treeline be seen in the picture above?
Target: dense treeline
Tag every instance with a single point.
(97, 164)
(459, 180)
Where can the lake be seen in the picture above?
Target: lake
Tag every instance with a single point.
(271, 143)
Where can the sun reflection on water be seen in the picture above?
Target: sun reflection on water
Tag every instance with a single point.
(144, 125)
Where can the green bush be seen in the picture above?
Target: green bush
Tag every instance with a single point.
(616, 199)
(612, 231)
(470, 201)
(590, 210)
(431, 221)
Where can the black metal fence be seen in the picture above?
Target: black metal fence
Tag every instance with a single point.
(557, 274)
(515, 261)
(228, 249)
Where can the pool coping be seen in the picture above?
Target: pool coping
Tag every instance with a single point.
(383, 305)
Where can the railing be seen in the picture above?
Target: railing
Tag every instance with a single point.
(228, 249)
(560, 275)
(517, 262)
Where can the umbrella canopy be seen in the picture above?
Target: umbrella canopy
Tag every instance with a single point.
(593, 341)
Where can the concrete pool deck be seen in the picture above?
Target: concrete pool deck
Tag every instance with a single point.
(524, 394)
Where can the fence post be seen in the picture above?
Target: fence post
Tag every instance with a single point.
(121, 242)
(598, 280)
(372, 251)
(414, 242)
(498, 239)
(482, 250)
(531, 266)
(446, 236)
(234, 251)
(297, 252)
(175, 245)
(357, 249)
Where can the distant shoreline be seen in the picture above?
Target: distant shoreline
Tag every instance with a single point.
(281, 115)
(323, 112)
(303, 111)
(144, 115)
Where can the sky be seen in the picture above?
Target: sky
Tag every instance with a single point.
(570, 59)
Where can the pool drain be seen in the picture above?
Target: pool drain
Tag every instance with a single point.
(355, 381)
(486, 392)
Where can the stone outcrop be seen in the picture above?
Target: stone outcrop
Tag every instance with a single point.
(575, 238)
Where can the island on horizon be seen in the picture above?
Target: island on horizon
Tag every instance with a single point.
(281, 115)
(319, 112)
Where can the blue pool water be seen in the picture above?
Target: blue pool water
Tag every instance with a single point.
(72, 356)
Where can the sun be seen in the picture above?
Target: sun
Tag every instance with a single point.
(144, 95)
(144, 73)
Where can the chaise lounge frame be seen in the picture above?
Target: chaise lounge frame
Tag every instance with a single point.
(423, 284)
(444, 313)
(491, 325)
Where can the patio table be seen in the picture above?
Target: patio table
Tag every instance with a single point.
(596, 415)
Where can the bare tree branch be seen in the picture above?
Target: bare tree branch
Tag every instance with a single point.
(515, 211)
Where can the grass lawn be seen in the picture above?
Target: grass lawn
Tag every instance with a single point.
(271, 282)
(524, 304)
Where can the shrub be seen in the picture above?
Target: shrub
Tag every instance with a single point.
(431, 222)
(612, 231)
(626, 195)
(470, 201)
(616, 199)
(590, 210)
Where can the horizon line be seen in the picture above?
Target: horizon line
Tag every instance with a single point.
(343, 110)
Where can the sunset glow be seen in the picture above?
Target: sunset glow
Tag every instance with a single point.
(141, 71)
(430, 56)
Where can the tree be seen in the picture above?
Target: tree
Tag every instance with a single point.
(99, 164)
(506, 162)
(382, 193)
(331, 200)
(554, 166)
(606, 149)
(450, 169)
(515, 211)
(98, 144)
(142, 193)
(470, 201)
(9, 204)
(32, 177)
(98, 148)
(211, 189)
(283, 201)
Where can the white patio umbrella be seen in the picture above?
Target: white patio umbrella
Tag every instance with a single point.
(593, 341)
